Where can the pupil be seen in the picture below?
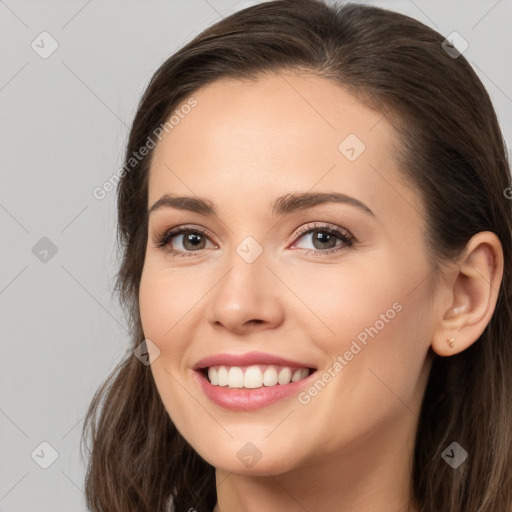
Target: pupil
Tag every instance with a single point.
(194, 239)
(323, 238)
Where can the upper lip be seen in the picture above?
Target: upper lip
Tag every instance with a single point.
(249, 358)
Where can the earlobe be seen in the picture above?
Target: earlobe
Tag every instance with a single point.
(474, 291)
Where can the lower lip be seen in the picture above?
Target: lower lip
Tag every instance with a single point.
(244, 399)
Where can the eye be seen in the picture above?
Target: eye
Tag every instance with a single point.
(325, 238)
(183, 240)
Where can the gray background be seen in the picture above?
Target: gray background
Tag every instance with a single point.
(64, 125)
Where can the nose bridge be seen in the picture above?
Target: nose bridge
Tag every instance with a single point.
(246, 294)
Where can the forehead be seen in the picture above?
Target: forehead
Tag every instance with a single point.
(279, 110)
(277, 134)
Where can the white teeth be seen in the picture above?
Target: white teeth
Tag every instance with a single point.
(297, 375)
(235, 377)
(214, 377)
(255, 376)
(270, 376)
(285, 376)
(222, 375)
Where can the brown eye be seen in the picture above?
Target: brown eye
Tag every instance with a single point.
(183, 240)
(193, 241)
(323, 239)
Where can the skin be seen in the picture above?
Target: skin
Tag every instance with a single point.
(350, 448)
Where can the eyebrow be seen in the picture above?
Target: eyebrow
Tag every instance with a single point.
(281, 206)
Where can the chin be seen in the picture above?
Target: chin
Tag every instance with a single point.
(247, 459)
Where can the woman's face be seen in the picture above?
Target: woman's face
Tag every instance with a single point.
(269, 275)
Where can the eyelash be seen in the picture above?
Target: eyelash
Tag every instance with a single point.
(343, 235)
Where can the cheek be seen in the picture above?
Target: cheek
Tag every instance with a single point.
(154, 304)
(379, 342)
(376, 318)
(164, 300)
(344, 300)
(163, 304)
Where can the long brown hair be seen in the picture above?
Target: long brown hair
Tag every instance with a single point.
(450, 147)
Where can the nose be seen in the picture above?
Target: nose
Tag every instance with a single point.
(247, 298)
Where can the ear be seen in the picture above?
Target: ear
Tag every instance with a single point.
(472, 289)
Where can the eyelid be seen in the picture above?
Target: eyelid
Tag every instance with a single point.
(319, 226)
(347, 239)
(161, 238)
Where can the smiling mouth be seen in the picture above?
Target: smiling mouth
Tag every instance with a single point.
(254, 376)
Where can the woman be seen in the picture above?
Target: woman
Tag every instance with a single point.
(316, 262)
